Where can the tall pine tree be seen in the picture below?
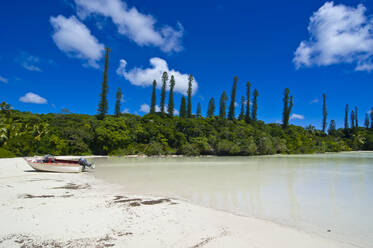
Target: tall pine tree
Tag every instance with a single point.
(255, 105)
(356, 119)
(366, 120)
(247, 115)
(352, 119)
(324, 113)
(242, 112)
(223, 106)
(171, 97)
(346, 117)
(287, 108)
(211, 108)
(232, 106)
(199, 110)
(154, 101)
(371, 118)
(183, 111)
(189, 108)
(163, 93)
(103, 104)
(117, 102)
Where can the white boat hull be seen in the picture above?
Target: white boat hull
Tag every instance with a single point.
(55, 167)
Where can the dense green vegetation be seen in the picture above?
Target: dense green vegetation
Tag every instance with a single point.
(27, 134)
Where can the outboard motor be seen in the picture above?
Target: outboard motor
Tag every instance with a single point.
(48, 158)
(83, 162)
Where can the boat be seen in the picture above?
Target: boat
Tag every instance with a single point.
(49, 163)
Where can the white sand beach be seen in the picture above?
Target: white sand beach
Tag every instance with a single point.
(78, 210)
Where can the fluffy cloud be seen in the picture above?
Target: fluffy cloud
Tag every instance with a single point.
(314, 101)
(133, 24)
(32, 98)
(145, 108)
(145, 77)
(74, 38)
(338, 34)
(296, 117)
(3, 79)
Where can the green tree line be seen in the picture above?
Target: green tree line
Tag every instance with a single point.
(163, 133)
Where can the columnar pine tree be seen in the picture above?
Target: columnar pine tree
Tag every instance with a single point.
(189, 108)
(287, 108)
(153, 102)
(332, 127)
(247, 115)
(324, 113)
(103, 104)
(255, 105)
(356, 118)
(183, 111)
(163, 93)
(199, 110)
(346, 117)
(242, 112)
(371, 118)
(233, 99)
(171, 97)
(211, 108)
(117, 102)
(223, 106)
(352, 119)
(366, 120)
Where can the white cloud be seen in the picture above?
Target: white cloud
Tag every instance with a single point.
(3, 79)
(296, 117)
(365, 66)
(145, 108)
(31, 67)
(314, 101)
(126, 111)
(338, 34)
(74, 38)
(145, 77)
(136, 26)
(32, 98)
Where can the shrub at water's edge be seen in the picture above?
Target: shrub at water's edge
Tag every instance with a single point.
(27, 134)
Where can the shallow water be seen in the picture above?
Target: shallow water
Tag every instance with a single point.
(315, 193)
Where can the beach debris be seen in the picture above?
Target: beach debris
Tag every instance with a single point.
(127, 200)
(153, 202)
(120, 234)
(29, 196)
(23, 240)
(135, 202)
(118, 197)
(74, 186)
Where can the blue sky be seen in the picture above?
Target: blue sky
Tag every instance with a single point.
(51, 53)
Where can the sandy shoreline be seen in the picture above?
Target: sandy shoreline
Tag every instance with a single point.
(77, 210)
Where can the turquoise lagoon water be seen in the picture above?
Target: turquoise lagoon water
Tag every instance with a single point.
(314, 193)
